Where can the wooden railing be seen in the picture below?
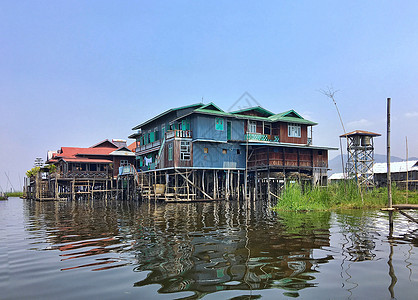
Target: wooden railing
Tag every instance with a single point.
(178, 134)
(261, 137)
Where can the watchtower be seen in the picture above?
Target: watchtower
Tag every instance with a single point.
(360, 150)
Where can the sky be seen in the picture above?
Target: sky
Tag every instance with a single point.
(73, 73)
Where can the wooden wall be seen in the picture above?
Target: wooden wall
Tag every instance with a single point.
(288, 157)
(284, 138)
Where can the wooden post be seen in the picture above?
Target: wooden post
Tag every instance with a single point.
(268, 173)
(149, 186)
(106, 189)
(389, 178)
(188, 181)
(56, 187)
(214, 185)
(155, 185)
(256, 182)
(176, 180)
(203, 181)
(238, 184)
(246, 163)
(407, 174)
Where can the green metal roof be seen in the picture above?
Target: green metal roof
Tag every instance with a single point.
(255, 108)
(209, 105)
(167, 112)
(289, 116)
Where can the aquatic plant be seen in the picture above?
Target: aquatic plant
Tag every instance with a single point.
(296, 197)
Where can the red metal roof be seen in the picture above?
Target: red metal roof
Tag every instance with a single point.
(69, 152)
(86, 160)
(132, 146)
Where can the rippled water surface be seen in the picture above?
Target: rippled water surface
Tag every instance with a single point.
(218, 250)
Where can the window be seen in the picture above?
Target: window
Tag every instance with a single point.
(163, 131)
(238, 152)
(219, 124)
(252, 127)
(93, 167)
(205, 150)
(170, 152)
(185, 124)
(123, 162)
(267, 128)
(320, 152)
(156, 134)
(185, 150)
(293, 130)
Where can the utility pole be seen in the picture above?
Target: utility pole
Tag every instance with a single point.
(389, 178)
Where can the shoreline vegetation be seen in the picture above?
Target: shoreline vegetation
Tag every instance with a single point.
(341, 195)
(4, 196)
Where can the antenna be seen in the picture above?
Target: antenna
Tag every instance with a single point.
(10, 181)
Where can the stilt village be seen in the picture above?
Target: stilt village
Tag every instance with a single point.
(197, 152)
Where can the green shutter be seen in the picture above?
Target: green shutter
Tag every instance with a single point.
(170, 152)
(219, 124)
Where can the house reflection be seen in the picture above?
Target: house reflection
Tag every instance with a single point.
(206, 248)
(198, 247)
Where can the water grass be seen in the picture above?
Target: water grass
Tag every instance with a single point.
(15, 194)
(341, 195)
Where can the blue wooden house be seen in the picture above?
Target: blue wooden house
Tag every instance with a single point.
(210, 151)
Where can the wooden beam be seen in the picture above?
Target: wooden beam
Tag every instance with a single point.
(408, 216)
(188, 180)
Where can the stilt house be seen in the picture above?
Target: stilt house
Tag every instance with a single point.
(81, 171)
(202, 138)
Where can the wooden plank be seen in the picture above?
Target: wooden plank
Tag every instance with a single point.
(408, 216)
(188, 180)
(405, 206)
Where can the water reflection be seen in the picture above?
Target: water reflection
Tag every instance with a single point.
(212, 247)
(199, 247)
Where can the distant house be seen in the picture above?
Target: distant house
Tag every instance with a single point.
(336, 177)
(400, 173)
(100, 160)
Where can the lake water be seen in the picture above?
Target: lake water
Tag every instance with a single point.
(217, 250)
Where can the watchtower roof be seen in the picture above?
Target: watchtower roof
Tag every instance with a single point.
(360, 133)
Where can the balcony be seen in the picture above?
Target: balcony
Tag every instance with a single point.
(178, 134)
(261, 137)
(141, 148)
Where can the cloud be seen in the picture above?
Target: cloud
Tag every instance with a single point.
(307, 115)
(360, 123)
(412, 114)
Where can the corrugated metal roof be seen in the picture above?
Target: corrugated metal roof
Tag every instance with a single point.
(197, 105)
(337, 176)
(360, 132)
(276, 144)
(289, 116)
(132, 147)
(396, 167)
(255, 108)
(125, 152)
(86, 160)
